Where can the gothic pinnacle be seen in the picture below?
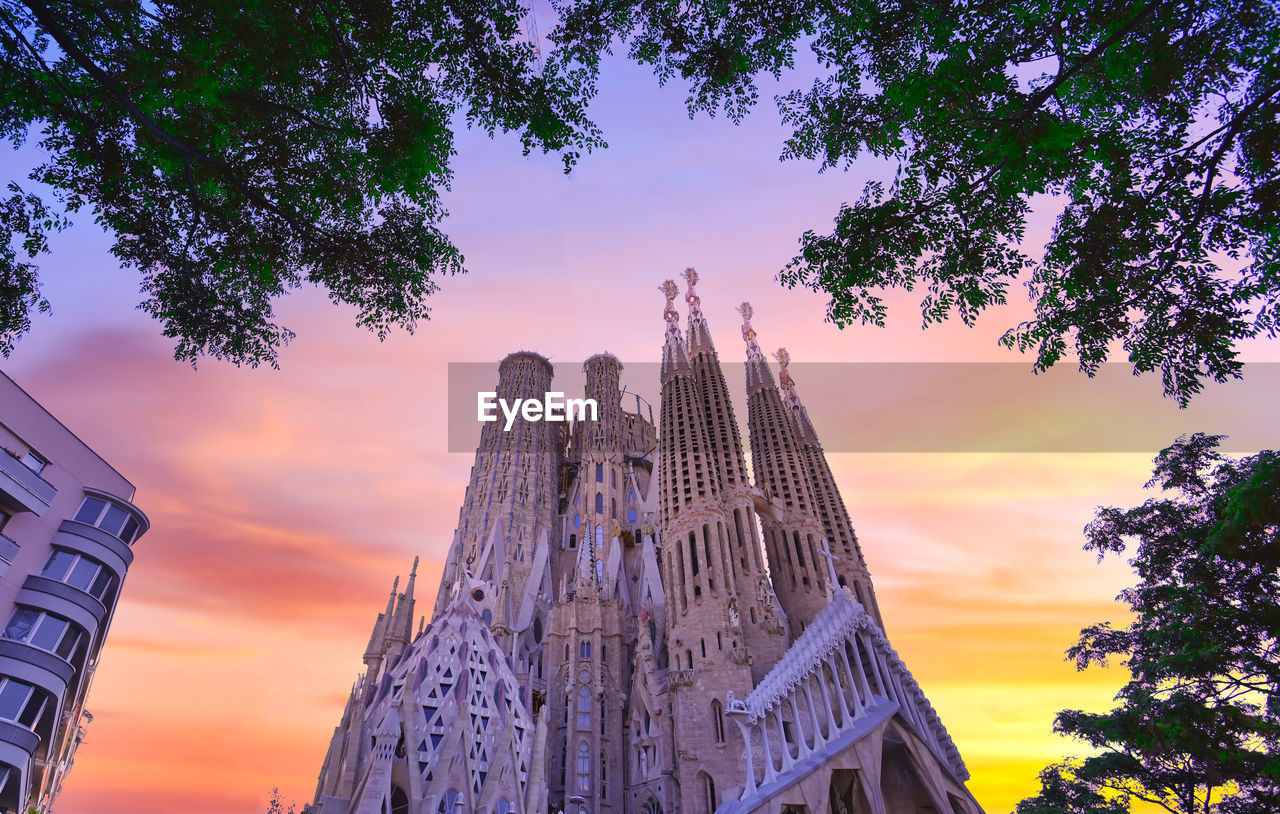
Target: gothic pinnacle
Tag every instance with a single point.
(787, 383)
(749, 333)
(671, 291)
(694, 301)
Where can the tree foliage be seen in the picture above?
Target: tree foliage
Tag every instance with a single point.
(238, 150)
(1157, 122)
(1197, 728)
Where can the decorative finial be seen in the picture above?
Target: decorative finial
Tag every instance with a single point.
(694, 301)
(414, 572)
(749, 333)
(784, 378)
(671, 291)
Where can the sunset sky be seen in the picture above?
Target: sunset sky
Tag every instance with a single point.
(283, 503)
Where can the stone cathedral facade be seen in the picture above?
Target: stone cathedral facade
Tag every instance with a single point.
(631, 622)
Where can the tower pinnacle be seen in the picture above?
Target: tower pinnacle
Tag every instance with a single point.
(675, 356)
(671, 291)
(785, 381)
(758, 373)
(694, 301)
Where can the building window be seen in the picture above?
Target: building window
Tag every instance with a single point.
(709, 792)
(717, 720)
(599, 473)
(43, 630)
(584, 650)
(79, 571)
(613, 508)
(503, 806)
(20, 702)
(613, 478)
(599, 502)
(34, 461)
(599, 536)
(584, 766)
(584, 708)
(109, 517)
(631, 518)
(573, 541)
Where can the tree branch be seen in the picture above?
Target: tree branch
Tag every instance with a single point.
(108, 84)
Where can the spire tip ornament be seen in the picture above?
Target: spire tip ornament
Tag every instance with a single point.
(749, 333)
(787, 383)
(693, 300)
(670, 290)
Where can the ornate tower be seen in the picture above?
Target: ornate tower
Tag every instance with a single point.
(510, 501)
(793, 536)
(590, 619)
(606, 639)
(508, 519)
(850, 567)
(703, 623)
(756, 632)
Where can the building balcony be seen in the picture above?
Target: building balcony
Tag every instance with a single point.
(96, 543)
(22, 490)
(64, 600)
(39, 668)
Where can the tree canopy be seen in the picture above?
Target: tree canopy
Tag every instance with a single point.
(238, 150)
(1155, 122)
(1197, 727)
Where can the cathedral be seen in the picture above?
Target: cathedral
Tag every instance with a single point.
(631, 622)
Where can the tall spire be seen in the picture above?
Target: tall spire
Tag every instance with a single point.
(845, 553)
(699, 333)
(807, 433)
(402, 623)
(794, 535)
(694, 301)
(758, 373)
(675, 358)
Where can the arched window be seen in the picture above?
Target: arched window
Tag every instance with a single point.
(599, 502)
(613, 508)
(399, 800)
(717, 720)
(584, 766)
(503, 806)
(613, 478)
(708, 793)
(599, 536)
(599, 473)
(631, 518)
(573, 541)
(604, 772)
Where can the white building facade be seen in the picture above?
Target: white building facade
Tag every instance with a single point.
(67, 529)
